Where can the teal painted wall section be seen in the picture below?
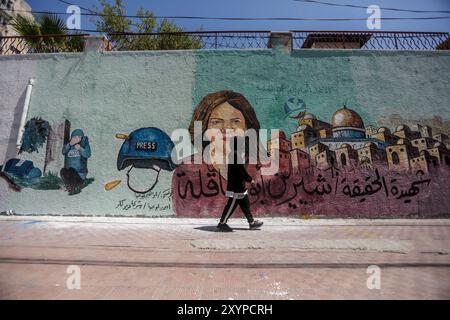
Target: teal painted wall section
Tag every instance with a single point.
(373, 83)
(269, 78)
(108, 93)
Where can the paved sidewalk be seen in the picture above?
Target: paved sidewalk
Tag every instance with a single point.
(172, 258)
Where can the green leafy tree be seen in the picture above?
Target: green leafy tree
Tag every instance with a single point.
(112, 20)
(48, 33)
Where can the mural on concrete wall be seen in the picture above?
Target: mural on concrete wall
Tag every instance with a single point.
(145, 148)
(74, 148)
(381, 154)
(341, 167)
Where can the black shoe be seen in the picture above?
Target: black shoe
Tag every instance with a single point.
(255, 224)
(223, 227)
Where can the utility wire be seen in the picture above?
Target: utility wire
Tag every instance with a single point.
(365, 7)
(317, 2)
(234, 18)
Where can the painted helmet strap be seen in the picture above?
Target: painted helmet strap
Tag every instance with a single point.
(148, 190)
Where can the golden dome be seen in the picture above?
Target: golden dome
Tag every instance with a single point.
(345, 117)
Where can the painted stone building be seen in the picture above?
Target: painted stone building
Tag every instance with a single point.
(345, 143)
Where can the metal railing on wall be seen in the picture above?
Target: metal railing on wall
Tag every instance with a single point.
(260, 39)
(374, 40)
(190, 40)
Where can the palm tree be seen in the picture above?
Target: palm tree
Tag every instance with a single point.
(47, 34)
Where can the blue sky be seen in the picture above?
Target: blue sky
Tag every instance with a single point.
(273, 8)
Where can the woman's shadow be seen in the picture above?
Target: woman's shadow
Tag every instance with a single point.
(214, 229)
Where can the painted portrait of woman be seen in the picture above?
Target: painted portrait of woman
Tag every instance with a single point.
(199, 188)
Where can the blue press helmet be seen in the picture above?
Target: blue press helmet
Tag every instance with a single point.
(146, 148)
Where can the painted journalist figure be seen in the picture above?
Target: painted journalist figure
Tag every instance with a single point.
(76, 153)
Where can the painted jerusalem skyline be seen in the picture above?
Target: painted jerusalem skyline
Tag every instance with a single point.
(346, 143)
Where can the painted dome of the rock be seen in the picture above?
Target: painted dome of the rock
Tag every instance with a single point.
(346, 117)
